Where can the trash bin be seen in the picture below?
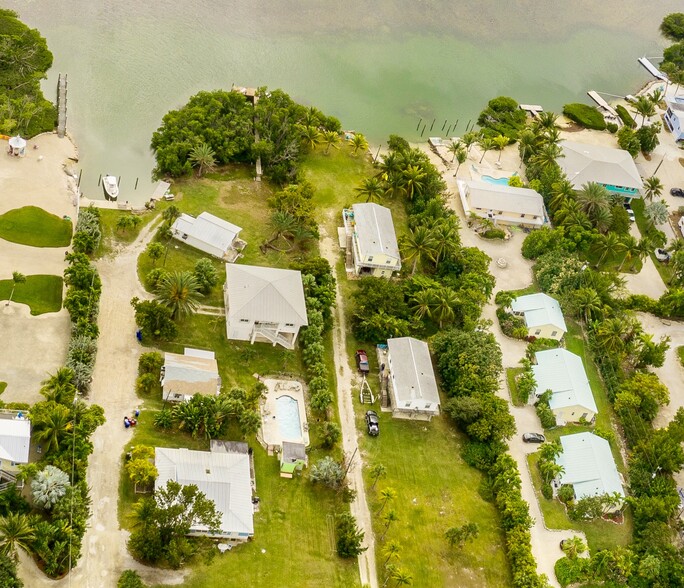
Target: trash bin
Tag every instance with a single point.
(138, 335)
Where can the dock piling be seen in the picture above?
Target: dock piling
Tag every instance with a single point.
(420, 120)
(433, 124)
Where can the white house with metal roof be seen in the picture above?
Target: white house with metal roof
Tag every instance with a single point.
(588, 466)
(222, 475)
(674, 118)
(194, 372)
(412, 385)
(372, 247)
(542, 314)
(613, 168)
(15, 440)
(208, 233)
(264, 304)
(503, 204)
(562, 372)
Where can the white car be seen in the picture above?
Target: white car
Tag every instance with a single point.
(662, 255)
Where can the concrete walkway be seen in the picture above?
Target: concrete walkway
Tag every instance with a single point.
(359, 507)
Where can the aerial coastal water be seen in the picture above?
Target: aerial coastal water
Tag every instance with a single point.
(378, 66)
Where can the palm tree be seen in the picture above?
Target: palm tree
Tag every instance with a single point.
(180, 292)
(16, 532)
(390, 166)
(171, 214)
(587, 304)
(500, 141)
(358, 143)
(422, 303)
(372, 189)
(389, 518)
(656, 96)
(413, 180)
(377, 471)
(386, 495)
(396, 185)
(446, 238)
(656, 213)
(202, 157)
(552, 136)
(454, 148)
(560, 192)
(593, 197)
(574, 547)
(603, 219)
(609, 244)
(418, 245)
(644, 107)
(310, 137)
(546, 156)
(445, 302)
(402, 577)
(17, 278)
(469, 139)
(485, 144)
(331, 139)
(527, 142)
(390, 551)
(652, 187)
(547, 120)
(550, 470)
(631, 249)
(59, 387)
(611, 335)
(461, 156)
(50, 426)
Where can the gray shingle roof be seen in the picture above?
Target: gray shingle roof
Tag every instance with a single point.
(375, 230)
(490, 196)
(588, 465)
(585, 163)
(223, 477)
(265, 294)
(562, 372)
(412, 369)
(540, 310)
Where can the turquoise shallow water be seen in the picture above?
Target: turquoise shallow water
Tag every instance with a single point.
(380, 68)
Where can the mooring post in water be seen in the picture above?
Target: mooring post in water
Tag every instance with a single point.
(433, 124)
(118, 183)
(99, 180)
(377, 154)
(455, 125)
(420, 120)
(78, 184)
(136, 183)
(445, 122)
(448, 131)
(421, 132)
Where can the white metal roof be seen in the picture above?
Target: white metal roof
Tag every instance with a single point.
(489, 196)
(562, 372)
(588, 465)
(15, 438)
(375, 230)
(17, 142)
(412, 370)
(207, 228)
(584, 163)
(223, 477)
(540, 310)
(265, 294)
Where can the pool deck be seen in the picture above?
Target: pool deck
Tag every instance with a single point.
(269, 434)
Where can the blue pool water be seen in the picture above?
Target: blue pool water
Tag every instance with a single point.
(491, 180)
(288, 418)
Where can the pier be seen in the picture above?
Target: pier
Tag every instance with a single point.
(61, 105)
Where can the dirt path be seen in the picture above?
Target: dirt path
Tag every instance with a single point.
(104, 545)
(359, 507)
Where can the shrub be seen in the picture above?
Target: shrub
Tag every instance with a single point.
(625, 116)
(566, 493)
(587, 116)
(541, 344)
(349, 536)
(612, 127)
(511, 325)
(130, 579)
(154, 277)
(547, 491)
(494, 234)
(545, 414)
(629, 141)
(572, 571)
(150, 363)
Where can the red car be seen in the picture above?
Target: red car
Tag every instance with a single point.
(362, 361)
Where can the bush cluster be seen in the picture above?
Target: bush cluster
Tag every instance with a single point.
(88, 231)
(625, 116)
(587, 116)
(511, 325)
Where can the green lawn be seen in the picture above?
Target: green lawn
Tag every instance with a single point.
(600, 534)
(511, 375)
(41, 293)
(35, 227)
(112, 237)
(664, 270)
(3, 385)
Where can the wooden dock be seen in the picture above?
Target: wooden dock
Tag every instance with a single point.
(61, 105)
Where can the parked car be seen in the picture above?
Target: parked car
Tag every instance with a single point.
(630, 212)
(362, 361)
(533, 438)
(372, 423)
(662, 255)
(677, 192)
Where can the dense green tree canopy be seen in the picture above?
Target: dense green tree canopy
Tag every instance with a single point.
(672, 26)
(502, 117)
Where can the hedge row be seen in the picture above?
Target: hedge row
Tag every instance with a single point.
(625, 117)
(587, 116)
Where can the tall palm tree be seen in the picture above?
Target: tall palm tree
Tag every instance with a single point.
(593, 197)
(202, 157)
(331, 139)
(390, 166)
(631, 249)
(390, 517)
(656, 96)
(603, 219)
(180, 292)
(500, 141)
(527, 142)
(310, 137)
(560, 192)
(588, 304)
(550, 470)
(546, 156)
(454, 148)
(413, 180)
(358, 143)
(16, 532)
(396, 186)
(50, 426)
(611, 334)
(422, 303)
(171, 214)
(372, 189)
(401, 577)
(552, 136)
(644, 107)
(446, 301)
(652, 187)
(390, 551)
(446, 238)
(418, 245)
(377, 471)
(485, 144)
(656, 213)
(609, 244)
(59, 387)
(461, 156)
(469, 139)
(386, 495)
(547, 120)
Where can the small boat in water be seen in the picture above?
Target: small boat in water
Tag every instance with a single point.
(110, 186)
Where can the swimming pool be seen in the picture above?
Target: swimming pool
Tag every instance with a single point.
(288, 418)
(500, 181)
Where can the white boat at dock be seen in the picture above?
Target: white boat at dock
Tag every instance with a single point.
(110, 187)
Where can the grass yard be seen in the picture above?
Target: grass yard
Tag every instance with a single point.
(3, 385)
(112, 237)
(600, 534)
(40, 292)
(664, 270)
(511, 375)
(435, 490)
(34, 226)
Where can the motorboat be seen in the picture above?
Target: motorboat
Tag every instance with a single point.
(110, 187)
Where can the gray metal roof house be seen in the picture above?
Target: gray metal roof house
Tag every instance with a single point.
(588, 466)
(543, 315)
(194, 372)
(207, 233)
(612, 168)
(15, 439)
(223, 476)
(264, 304)
(372, 241)
(562, 372)
(412, 383)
